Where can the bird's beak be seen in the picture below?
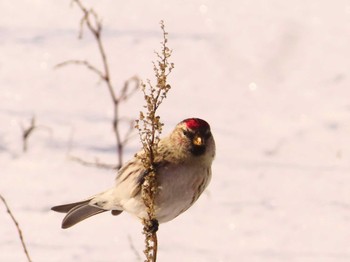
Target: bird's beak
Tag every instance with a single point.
(198, 141)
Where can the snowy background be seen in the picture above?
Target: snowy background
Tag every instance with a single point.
(272, 79)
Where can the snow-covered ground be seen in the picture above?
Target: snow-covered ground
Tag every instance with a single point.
(271, 77)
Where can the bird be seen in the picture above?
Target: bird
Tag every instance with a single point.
(183, 171)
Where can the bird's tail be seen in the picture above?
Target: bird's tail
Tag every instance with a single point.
(77, 212)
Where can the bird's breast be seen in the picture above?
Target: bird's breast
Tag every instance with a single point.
(179, 188)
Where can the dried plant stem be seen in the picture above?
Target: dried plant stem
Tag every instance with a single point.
(94, 25)
(96, 163)
(18, 228)
(134, 250)
(151, 249)
(28, 131)
(150, 128)
(149, 189)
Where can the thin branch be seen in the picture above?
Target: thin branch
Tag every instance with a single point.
(93, 23)
(129, 134)
(97, 163)
(83, 63)
(125, 92)
(96, 31)
(134, 250)
(28, 131)
(20, 234)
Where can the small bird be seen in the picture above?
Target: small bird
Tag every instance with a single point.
(183, 171)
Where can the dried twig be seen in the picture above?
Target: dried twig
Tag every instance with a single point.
(150, 128)
(93, 23)
(84, 63)
(28, 131)
(97, 163)
(134, 250)
(17, 226)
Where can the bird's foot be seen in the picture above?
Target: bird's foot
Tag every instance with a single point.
(152, 226)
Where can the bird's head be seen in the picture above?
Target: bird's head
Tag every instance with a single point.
(194, 136)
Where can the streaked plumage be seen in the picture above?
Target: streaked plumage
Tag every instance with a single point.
(183, 168)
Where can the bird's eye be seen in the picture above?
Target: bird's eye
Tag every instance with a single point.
(186, 133)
